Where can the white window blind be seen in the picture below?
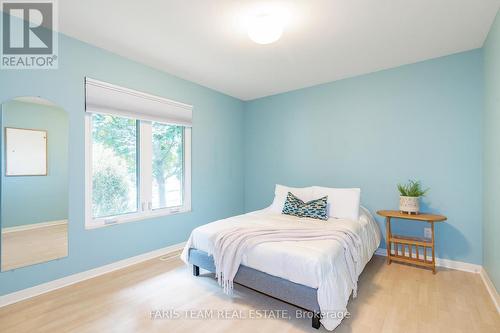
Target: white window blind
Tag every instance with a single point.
(106, 98)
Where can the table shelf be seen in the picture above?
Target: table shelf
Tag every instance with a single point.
(411, 250)
(420, 241)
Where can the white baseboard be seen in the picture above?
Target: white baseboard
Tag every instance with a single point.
(78, 277)
(33, 226)
(491, 288)
(446, 263)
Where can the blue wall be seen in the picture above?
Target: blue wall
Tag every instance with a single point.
(35, 199)
(491, 160)
(420, 121)
(217, 169)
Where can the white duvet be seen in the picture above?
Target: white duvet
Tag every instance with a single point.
(299, 261)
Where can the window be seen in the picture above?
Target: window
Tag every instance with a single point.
(136, 167)
(114, 166)
(167, 165)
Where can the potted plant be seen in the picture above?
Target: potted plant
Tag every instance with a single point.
(410, 194)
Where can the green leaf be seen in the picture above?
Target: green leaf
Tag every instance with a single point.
(412, 189)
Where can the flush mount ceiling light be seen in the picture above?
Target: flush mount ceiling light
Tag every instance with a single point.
(265, 28)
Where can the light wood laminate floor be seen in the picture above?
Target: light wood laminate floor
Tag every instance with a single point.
(28, 247)
(395, 298)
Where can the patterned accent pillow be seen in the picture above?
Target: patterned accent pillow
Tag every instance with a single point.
(315, 209)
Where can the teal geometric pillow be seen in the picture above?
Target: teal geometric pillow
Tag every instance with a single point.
(315, 209)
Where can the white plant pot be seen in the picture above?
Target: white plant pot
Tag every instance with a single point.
(409, 205)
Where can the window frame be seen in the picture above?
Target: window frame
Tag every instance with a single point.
(144, 177)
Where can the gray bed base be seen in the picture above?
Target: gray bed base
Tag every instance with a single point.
(295, 294)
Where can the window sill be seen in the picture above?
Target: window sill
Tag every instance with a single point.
(135, 217)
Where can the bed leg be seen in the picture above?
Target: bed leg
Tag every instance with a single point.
(315, 320)
(196, 270)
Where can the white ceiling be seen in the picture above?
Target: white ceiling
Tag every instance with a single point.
(325, 40)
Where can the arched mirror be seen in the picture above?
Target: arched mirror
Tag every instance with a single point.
(34, 182)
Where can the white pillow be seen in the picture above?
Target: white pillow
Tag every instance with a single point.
(343, 203)
(280, 192)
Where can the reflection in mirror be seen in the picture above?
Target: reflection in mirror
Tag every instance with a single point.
(34, 182)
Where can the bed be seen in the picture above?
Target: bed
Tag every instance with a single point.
(289, 270)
